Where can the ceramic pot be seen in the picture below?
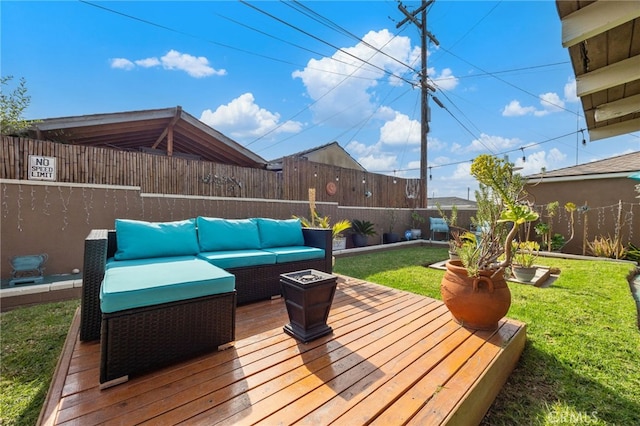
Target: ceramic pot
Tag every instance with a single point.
(390, 237)
(339, 243)
(524, 273)
(475, 302)
(359, 240)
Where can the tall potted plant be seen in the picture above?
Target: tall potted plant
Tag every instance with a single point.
(417, 220)
(474, 288)
(391, 237)
(337, 229)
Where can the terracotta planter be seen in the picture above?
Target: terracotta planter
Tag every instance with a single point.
(476, 303)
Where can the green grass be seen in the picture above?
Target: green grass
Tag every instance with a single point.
(581, 363)
(31, 341)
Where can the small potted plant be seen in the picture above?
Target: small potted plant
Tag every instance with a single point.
(361, 230)
(339, 240)
(525, 254)
(337, 229)
(417, 220)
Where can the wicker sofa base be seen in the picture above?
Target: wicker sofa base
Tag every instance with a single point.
(138, 340)
(263, 282)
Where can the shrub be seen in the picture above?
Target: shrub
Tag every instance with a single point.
(607, 247)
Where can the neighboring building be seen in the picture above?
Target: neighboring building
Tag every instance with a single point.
(604, 194)
(331, 154)
(448, 202)
(169, 131)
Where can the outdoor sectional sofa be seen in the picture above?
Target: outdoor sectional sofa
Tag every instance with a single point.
(155, 293)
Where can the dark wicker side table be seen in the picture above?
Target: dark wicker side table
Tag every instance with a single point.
(308, 295)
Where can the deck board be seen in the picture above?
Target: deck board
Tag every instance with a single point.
(393, 357)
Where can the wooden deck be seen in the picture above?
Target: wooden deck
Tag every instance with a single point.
(393, 358)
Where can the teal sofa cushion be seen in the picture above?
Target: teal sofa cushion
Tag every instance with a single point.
(136, 283)
(216, 234)
(239, 258)
(280, 233)
(296, 253)
(138, 239)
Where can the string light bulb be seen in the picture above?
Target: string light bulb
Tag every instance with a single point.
(524, 159)
(394, 177)
(430, 175)
(584, 141)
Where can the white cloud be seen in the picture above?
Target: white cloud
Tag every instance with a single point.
(122, 63)
(570, 94)
(514, 109)
(195, 66)
(400, 131)
(535, 161)
(492, 143)
(358, 149)
(550, 102)
(148, 62)
(446, 80)
(343, 88)
(242, 118)
(379, 162)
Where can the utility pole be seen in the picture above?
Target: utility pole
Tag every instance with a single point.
(424, 87)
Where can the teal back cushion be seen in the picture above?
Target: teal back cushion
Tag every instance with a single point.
(215, 234)
(137, 239)
(280, 233)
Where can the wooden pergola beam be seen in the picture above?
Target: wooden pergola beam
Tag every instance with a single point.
(168, 131)
(617, 108)
(616, 129)
(597, 18)
(606, 77)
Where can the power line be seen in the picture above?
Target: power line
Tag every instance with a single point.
(296, 5)
(507, 82)
(327, 43)
(527, 146)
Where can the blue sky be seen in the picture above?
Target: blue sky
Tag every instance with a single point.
(284, 77)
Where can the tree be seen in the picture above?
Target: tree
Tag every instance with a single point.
(12, 106)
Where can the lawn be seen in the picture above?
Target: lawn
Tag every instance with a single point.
(581, 363)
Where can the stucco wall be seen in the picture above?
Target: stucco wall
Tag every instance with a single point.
(55, 217)
(606, 200)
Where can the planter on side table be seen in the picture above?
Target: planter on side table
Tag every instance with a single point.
(308, 295)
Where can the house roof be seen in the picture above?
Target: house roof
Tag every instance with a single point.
(169, 131)
(621, 164)
(448, 202)
(332, 146)
(603, 39)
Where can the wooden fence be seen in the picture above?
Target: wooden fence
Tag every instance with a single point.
(172, 175)
(152, 173)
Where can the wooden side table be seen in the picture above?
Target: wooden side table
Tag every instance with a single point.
(308, 295)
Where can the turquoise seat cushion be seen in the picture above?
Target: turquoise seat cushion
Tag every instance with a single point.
(138, 239)
(136, 283)
(280, 233)
(215, 234)
(239, 258)
(296, 253)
